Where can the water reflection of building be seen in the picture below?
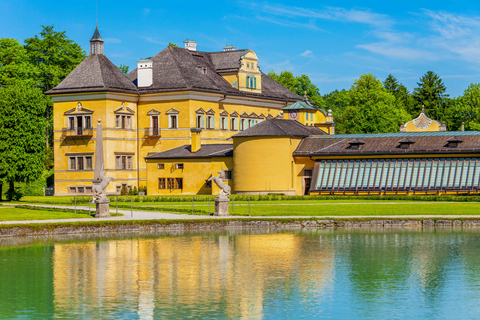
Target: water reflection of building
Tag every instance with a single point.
(222, 276)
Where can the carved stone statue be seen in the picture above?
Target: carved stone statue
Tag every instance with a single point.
(99, 192)
(100, 181)
(221, 202)
(224, 188)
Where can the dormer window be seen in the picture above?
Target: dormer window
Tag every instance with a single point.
(355, 144)
(453, 142)
(406, 143)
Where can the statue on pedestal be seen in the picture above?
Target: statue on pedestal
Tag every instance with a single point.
(100, 181)
(222, 200)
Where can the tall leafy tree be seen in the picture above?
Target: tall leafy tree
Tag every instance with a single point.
(466, 109)
(431, 92)
(14, 63)
(55, 56)
(337, 101)
(372, 108)
(299, 85)
(22, 135)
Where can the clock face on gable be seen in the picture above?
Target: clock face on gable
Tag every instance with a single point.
(293, 114)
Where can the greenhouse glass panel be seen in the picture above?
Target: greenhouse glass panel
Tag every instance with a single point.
(348, 178)
(476, 175)
(326, 174)
(440, 173)
(373, 174)
(366, 176)
(446, 174)
(386, 168)
(353, 184)
(433, 175)
(341, 182)
(459, 174)
(378, 179)
(321, 170)
(471, 173)
(408, 176)
(428, 171)
(333, 171)
(403, 171)
(361, 173)
(453, 171)
(391, 174)
(416, 164)
(421, 173)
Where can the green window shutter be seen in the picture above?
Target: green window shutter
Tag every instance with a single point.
(212, 125)
(202, 122)
(248, 82)
(254, 82)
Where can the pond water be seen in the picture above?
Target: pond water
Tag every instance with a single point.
(254, 274)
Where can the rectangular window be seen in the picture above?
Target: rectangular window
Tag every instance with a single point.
(161, 183)
(80, 190)
(88, 122)
(321, 169)
(173, 121)
(73, 163)
(178, 183)
(228, 174)
(179, 166)
(234, 124)
(80, 163)
(124, 162)
(170, 183)
(161, 166)
(88, 163)
(223, 123)
(242, 124)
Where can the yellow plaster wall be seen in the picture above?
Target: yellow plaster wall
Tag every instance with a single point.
(230, 77)
(264, 164)
(195, 172)
(411, 127)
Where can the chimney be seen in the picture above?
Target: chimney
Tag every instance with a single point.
(190, 45)
(229, 48)
(144, 73)
(196, 143)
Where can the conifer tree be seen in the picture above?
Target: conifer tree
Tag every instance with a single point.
(431, 92)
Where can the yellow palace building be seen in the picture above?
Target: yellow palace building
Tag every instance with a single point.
(178, 96)
(184, 115)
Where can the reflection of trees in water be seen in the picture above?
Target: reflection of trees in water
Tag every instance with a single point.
(386, 266)
(26, 281)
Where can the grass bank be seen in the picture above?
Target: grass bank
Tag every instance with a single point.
(41, 213)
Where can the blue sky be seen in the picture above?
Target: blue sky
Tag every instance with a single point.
(333, 42)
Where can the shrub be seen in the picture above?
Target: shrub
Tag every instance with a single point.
(14, 195)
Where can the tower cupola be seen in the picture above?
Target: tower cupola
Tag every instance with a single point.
(96, 43)
(190, 45)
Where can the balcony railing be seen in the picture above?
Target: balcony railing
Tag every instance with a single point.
(77, 133)
(152, 132)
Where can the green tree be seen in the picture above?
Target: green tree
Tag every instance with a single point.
(124, 68)
(14, 63)
(466, 109)
(299, 85)
(403, 97)
(337, 101)
(55, 56)
(372, 108)
(22, 134)
(431, 92)
(171, 44)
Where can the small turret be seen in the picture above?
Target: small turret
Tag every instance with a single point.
(96, 43)
(190, 45)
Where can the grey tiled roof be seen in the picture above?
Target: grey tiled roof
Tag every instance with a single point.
(174, 69)
(184, 152)
(378, 144)
(95, 73)
(177, 69)
(278, 128)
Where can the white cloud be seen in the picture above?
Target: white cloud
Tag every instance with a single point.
(307, 54)
(112, 40)
(153, 40)
(285, 23)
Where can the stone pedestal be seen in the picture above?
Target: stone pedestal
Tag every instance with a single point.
(103, 208)
(221, 207)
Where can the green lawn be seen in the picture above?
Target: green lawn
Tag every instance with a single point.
(10, 213)
(367, 209)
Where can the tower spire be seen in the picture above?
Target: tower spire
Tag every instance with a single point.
(96, 42)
